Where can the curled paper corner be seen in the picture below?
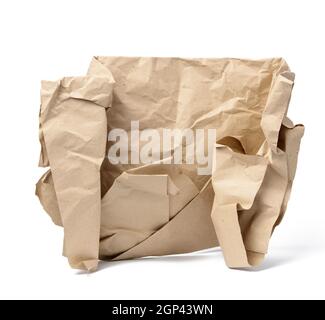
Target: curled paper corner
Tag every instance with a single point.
(45, 191)
(85, 265)
(255, 259)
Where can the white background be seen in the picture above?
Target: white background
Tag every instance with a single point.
(50, 39)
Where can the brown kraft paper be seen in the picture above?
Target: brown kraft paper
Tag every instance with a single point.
(123, 211)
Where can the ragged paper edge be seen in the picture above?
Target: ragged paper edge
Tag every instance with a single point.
(79, 88)
(227, 203)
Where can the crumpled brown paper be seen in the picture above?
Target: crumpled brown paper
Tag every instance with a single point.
(115, 212)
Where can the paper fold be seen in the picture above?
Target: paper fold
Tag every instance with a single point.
(74, 127)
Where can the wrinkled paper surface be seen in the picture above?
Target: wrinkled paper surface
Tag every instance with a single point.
(115, 212)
